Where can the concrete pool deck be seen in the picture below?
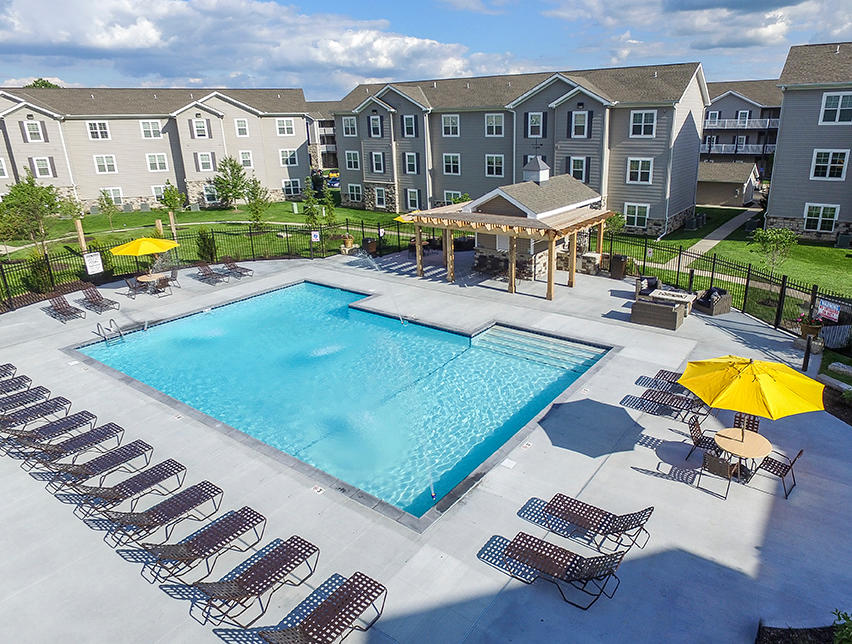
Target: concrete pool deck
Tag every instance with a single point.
(710, 571)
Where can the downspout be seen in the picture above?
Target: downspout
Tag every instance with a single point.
(669, 171)
(224, 140)
(514, 145)
(427, 157)
(68, 161)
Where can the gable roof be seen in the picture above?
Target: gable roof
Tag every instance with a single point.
(725, 172)
(556, 195)
(828, 63)
(321, 110)
(765, 93)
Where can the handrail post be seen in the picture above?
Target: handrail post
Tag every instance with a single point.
(9, 304)
(679, 255)
(713, 270)
(49, 271)
(781, 296)
(644, 253)
(691, 279)
(251, 243)
(745, 291)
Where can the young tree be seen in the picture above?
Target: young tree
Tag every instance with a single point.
(310, 207)
(615, 223)
(230, 181)
(42, 82)
(70, 208)
(328, 204)
(173, 199)
(25, 209)
(775, 246)
(257, 201)
(461, 198)
(107, 207)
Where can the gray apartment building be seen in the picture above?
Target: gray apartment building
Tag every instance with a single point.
(741, 123)
(811, 188)
(129, 142)
(632, 134)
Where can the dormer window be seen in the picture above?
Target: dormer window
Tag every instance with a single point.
(535, 122)
(34, 132)
(376, 127)
(199, 126)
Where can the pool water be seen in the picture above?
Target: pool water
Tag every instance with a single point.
(395, 410)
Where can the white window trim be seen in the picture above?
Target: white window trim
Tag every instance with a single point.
(297, 183)
(410, 155)
(650, 173)
(240, 154)
(40, 132)
(444, 163)
(647, 207)
(204, 191)
(195, 133)
(585, 133)
(112, 196)
(821, 206)
(571, 168)
(408, 193)
(295, 156)
(288, 123)
(357, 159)
(830, 152)
(159, 129)
(502, 166)
(89, 131)
(712, 116)
(4, 174)
(156, 154)
(740, 119)
(353, 121)
(653, 128)
(154, 190)
(449, 195)
(237, 128)
(384, 194)
(501, 242)
(375, 119)
(540, 134)
(209, 156)
(822, 108)
(35, 166)
(444, 127)
(105, 156)
(349, 187)
(406, 119)
(502, 125)
(381, 157)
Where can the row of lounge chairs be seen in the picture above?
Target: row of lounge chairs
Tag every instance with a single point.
(92, 300)
(207, 274)
(48, 438)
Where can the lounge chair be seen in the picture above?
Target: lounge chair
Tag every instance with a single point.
(62, 311)
(207, 544)
(135, 287)
(668, 376)
(49, 430)
(528, 558)
(162, 287)
(261, 574)
(335, 616)
(149, 481)
(233, 269)
(23, 398)
(680, 404)
(207, 274)
(132, 526)
(173, 278)
(700, 440)
(68, 475)
(25, 415)
(718, 466)
(747, 422)
(47, 454)
(781, 469)
(93, 300)
(15, 384)
(7, 370)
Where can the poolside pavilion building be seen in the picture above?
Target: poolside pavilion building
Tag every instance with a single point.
(519, 228)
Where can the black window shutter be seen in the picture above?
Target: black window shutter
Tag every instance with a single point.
(209, 129)
(381, 126)
(589, 124)
(53, 172)
(544, 125)
(526, 125)
(416, 163)
(588, 170)
(416, 126)
(23, 131)
(570, 125)
(197, 164)
(419, 202)
(32, 166)
(567, 165)
(44, 131)
(191, 129)
(402, 122)
(383, 161)
(213, 160)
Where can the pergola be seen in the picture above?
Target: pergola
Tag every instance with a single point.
(566, 224)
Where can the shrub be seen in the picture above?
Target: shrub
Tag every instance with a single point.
(846, 396)
(842, 626)
(206, 245)
(37, 278)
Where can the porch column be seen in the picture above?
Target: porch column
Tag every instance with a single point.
(513, 260)
(418, 243)
(572, 259)
(451, 257)
(551, 265)
(445, 235)
(599, 249)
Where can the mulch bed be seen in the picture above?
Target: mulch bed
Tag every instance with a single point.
(835, 405)
(770, 635)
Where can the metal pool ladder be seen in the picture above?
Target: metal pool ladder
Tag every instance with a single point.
(111, 332)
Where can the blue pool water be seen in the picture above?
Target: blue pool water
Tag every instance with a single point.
(393, 409)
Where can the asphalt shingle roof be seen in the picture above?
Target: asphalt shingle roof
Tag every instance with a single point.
(825, 63)
(724, 172)
(321, 109)
(557, 192)
(763, 92)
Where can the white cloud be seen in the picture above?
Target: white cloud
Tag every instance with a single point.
(476, 6)
(26, 80)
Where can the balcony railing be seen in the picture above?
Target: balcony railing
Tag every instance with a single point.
(328, 148)
(743, 124)
(733, 148)
(769, 148)
(326, 130)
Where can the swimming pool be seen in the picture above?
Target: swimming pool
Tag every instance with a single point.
(395, 410)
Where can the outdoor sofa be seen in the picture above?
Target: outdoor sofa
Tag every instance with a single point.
(713, 301)
(658, 314)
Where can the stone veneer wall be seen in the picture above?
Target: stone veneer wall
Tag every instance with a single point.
(495, 262)
(798, 224)
(656, 227)
(370, 197)
(314, 155)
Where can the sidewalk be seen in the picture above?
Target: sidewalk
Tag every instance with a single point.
(715, 236)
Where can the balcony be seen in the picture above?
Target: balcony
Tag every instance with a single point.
(732, 148)
(740, 124)
(326, 130)
(327, 148)
(769, 148)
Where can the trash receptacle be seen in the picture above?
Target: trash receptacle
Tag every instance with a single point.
(370, 245)
(617, 264)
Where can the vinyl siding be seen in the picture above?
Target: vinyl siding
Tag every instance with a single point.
(590, 147)
(405, 145)
(345, 143)
(500, 206)
(22, 152)
(686, 149)
(539, 102)
(192, 146)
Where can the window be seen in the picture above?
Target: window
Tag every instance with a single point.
(410, 163)
(502, 242)
(210, 195)
(493, 165)
(34, 132)
(3, 173)
(643, 123)
(450, 124)
(577, 168)
(636, 214)
(98, 130)
(820, 217)
(285, 127)
(451, 195)
(412, 199)
(639, 170)
(829, 165)
(579, 125)
(114, 194)
(353, 160)
(452, 163)
(151, 130)
(713, 117)
(291, 187)
(836, 108)
(408, 125)
(381, 199)
(241, 126)
(493, 125)
(288, 157)
(742, 117)
(378, 162)
(42, 167)
(535, 122)
(157, 162)
(376, 127)
(199, 126)
(245, 159)
(741, 141)
(354, 192)
(105, 164)
(205, 161)
(157, 191)
(350, 126)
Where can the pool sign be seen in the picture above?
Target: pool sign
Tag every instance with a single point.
(829, 310)
(314, 235)
(94, 263)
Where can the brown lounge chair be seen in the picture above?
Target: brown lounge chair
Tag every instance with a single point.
(69, 475)
(94, 301)
(23, 398)
(264, 572)
(680, 404)
(337, 615)
(7, 370)
(207, 274)
(528, 558)
(135, 287)
(48, 431)
(25, 415)
(62, 311)
(132, 526)
(668, 376)
(161, 286)
(207, 544)
(47, 454)
(150, 481)
(17, 383)
(233, 269)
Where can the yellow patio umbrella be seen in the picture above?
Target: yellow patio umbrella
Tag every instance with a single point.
(144, 246)
(768, 389)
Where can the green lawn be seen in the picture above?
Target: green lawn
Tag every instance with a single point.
(715, 218)
(829, 356)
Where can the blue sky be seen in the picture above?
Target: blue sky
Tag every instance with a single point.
(327, 48)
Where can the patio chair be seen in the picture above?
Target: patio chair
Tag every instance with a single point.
(49, 430)
(680, 404)
(207, 274)
(11, 385)
(93, 300)
(527, 558)
(645, 284)
(133, 489)
(747, 422)
(173, 278)
(132, 526)
(335, 616)
(119, 459)
(135, 287)
(7, 370)
(47, 454)
(700, 440)
(62, 310)
(161, 286)
(207, 544)
(263, 573)
(781, 469)
(717, 466)
(233, 269)
(23, 398)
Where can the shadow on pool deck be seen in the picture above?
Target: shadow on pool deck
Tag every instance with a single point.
(590, 427)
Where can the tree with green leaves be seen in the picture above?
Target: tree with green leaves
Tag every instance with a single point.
(461, 198)
(615, 223)
(327, 203)
(310, 206)
(205, 244)
(42, 83)
(173, 199)
(230, 181)
(257, 201)
(107, 207)
(70, 208)
(775, 246)
(25, 209)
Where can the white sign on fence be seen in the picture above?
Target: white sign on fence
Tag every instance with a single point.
(829, 310)
(94, 263)
(314, 235)
(381, 232)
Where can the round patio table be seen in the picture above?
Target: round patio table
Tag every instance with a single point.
(151, 277)
(742, 443)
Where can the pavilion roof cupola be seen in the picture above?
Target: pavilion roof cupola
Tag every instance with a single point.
(536, 170)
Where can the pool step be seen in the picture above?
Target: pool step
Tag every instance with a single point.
(554, 352)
